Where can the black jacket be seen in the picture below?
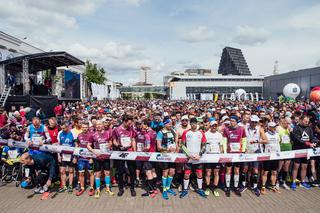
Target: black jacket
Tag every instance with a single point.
(302, 136)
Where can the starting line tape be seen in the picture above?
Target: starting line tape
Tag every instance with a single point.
(168, 157)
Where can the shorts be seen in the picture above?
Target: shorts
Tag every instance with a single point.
(271, 165)
(212, 165)
(139, 165)
(101, 165)
(147, 166)
(254, 164)
(84, 164)
(166, 165)
(190, 166)
(67, 164)
(301, 160)
(237, 164)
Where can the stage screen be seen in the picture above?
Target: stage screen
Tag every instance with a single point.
(72, 84)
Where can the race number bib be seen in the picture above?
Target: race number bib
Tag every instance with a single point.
(36, 139)
(103, 147)
(285, 139)
(170, 135)
(125, 141)
(140, 147)
(13, 154)
(213, 148)
(235, 147)
(66, 157)
(171, 146)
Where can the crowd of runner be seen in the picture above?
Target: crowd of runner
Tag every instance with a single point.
(191, 127)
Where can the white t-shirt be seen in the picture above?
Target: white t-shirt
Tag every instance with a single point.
(214, 142)
(273, 144)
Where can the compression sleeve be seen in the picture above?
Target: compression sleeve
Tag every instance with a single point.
(244, 144)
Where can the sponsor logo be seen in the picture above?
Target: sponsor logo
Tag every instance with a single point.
(163, 157)
(263, 158)
(124, 155)
(243, 157)
(225, 160)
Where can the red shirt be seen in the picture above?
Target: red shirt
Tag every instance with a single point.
(3, 120)
(53, 134)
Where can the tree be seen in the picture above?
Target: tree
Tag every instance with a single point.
(94, 74)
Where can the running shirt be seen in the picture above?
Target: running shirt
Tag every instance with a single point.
(37, 134)
(273, 144)
(142, 140)
(76, 132)
(214, 142)
(153, 142)
(66, 138)
(100, 140)
(234, 139)
(285, 141)
(167, 138)
(253, 134)
(181, 129)
(193, 141)
(124, 136)
(84, 139)
(53, 132)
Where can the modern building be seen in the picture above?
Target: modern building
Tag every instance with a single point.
(204, 87)
(306, 79)
(232, 62)
(139, 91)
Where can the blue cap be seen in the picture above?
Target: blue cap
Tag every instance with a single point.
(234, 117)
(165, 122)
(211, 119)
(24, 184)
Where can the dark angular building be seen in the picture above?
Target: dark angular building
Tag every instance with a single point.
(305, 78)
(232, 62)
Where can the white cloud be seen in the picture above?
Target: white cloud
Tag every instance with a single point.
(199, 34)
(308, 18)
(246, 35)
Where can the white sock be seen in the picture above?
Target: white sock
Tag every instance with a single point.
(185, 184)
(199, 182)
(228, 178)
(244, 183)
(236, 181)
(255, 185)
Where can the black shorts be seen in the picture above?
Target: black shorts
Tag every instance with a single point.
(190, 166)
(147, 166)
(254, 164)
(237, 164)
(99, 165)
(270, 165)
(212, 165)
(301, 160)
(139, 165)
(67, 164)
(166, 165)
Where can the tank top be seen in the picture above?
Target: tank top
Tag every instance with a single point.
(273, 144)
(284, 134)
(253, 135)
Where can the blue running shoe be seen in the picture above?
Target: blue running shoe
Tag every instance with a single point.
(170, 191)
(305, 185)
(165, 195)
(201, 193)
(183, 193)
(293, 186)
(256, 191)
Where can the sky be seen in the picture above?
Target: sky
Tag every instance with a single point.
(170, 35)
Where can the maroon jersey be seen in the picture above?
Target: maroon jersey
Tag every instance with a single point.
(84, 139)
(234, 139)
(100, 139)
(124, 136)
(152, 137)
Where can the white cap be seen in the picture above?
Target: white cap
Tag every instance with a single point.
(254, 118)
(223, 112)
(213, 123)
(272, 124)
(185, 117)
(224, 118)
(165, 114)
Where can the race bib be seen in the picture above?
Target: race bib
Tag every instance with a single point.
(213, 148)
(140, 147)
(272, 148)
(252, 148)
(103, 147)
(36, 139)
(125, 141)
(13, 154)
(285, 139)
(170, 135)
(66, 157)
(171, 146)
(235, 147)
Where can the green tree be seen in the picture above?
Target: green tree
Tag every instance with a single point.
(94, 74)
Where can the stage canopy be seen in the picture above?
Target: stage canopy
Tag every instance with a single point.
(41, 61)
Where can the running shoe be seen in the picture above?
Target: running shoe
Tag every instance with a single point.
(242, 189)
(285, 186)
(91, 192)
(109, 192)
(237, 192)
(263, 191)
(70, 190)
(170, 191)
(180, 188)
(183, 193)
(216, 193)
(165, 195)
(228, 192)
(277, 186)
(288, 179)
(120, 193)
(97, 194)
(293, 186)
(133, 192)
(207, 192)
(201, 193)
(315, 183)
(78, 187)
(62, 189)
(45, 196)
(305, 185)
(275, 189)
(38, 190)
(80, 192)
(256, 192)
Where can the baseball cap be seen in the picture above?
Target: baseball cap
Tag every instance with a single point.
(185, 117)
(193, 120)
(225, 118)
(223, 112)
(213, 123)
(254, 118)
(272, 124)
(234, 117)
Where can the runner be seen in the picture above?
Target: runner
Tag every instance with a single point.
(194, 141)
